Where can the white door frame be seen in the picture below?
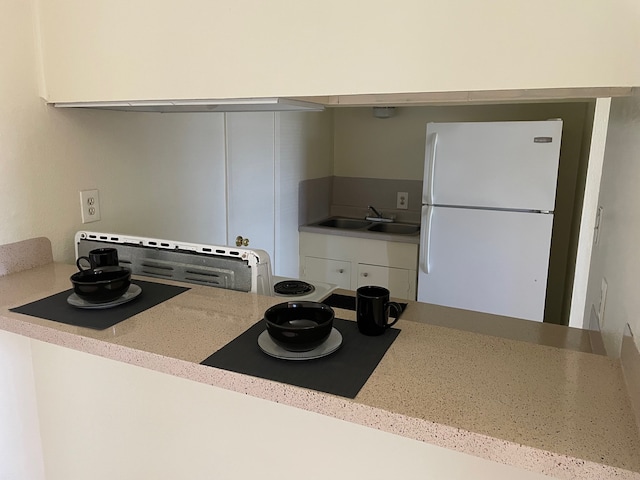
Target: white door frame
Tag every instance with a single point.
(578, 314)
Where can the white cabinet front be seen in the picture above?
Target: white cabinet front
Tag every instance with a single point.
(326, 270)
(397, 280)
(250, 180)
(360, 261)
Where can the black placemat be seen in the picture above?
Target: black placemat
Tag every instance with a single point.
(343, 373)
(57, 309)
(347, 302)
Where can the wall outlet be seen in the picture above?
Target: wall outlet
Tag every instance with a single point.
(402, 201)
(89, 206)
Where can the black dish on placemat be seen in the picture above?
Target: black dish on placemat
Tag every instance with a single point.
(299, 326)
(343, 373)
(271, 348)
(103, 284)
(57, 309)
(132, 292)
(346, 302)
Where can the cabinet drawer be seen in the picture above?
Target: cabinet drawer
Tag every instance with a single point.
(397, 280)
(327, 270)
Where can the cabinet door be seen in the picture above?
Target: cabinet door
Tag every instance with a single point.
(397, 280)
(326, 270)
(250, 179)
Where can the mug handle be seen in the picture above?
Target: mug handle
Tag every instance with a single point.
(80, 266)
(398, 309)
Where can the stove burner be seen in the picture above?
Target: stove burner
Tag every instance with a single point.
(293, 288)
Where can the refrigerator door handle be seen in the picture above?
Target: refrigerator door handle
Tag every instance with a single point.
(430, 168)
(425, 238)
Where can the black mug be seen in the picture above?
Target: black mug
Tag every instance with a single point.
(372, 310)
(100, 257)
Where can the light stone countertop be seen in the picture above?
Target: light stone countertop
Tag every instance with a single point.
(361, 233)
(557, 411)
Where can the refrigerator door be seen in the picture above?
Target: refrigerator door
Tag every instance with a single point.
(512, 165)
(485, 260)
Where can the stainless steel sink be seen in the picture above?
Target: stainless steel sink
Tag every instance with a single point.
(346, 223)
(369, 226)
(396, 228)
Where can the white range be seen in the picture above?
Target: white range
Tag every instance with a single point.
(233, 268)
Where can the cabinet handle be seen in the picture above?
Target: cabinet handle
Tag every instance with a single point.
(425, 239)
(365, 274)
(341, 270)
(430, 170)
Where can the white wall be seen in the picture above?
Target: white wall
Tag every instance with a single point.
(105, 420)
(393, 148)
(304, 150)
(158, 175)
(616, 257)
(20, 445)
(136, 161)
(118, 49)
(594, 144)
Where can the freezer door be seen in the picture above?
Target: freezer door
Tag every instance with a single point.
(511, 165)
(485, 260)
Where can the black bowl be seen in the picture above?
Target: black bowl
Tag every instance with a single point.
(101, 285)
(299, 326)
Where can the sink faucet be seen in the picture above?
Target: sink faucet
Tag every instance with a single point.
(376, 212)
(378, 217)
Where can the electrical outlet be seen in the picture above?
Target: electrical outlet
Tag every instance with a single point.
(89, 206)
(603, 299)
(402, 201)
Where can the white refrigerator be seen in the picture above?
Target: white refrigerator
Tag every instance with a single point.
(487, 215)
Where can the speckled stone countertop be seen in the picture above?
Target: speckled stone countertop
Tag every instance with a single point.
(554, 410)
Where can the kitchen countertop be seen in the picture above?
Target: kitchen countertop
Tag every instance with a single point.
(360, 233)
(554, 410)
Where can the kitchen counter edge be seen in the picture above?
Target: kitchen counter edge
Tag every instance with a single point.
(359, 233)
(483, 446)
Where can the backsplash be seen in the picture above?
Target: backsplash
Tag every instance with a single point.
(350, 196)
(314, 199)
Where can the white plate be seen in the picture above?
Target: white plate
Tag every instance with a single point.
(330, 345)
(130, 294)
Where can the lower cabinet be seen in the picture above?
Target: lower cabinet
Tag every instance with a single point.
(351, 262)
(401, 282)
(329, 271)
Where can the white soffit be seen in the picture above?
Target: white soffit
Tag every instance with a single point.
(214, 105)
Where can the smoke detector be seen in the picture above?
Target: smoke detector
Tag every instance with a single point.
(384, 112)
